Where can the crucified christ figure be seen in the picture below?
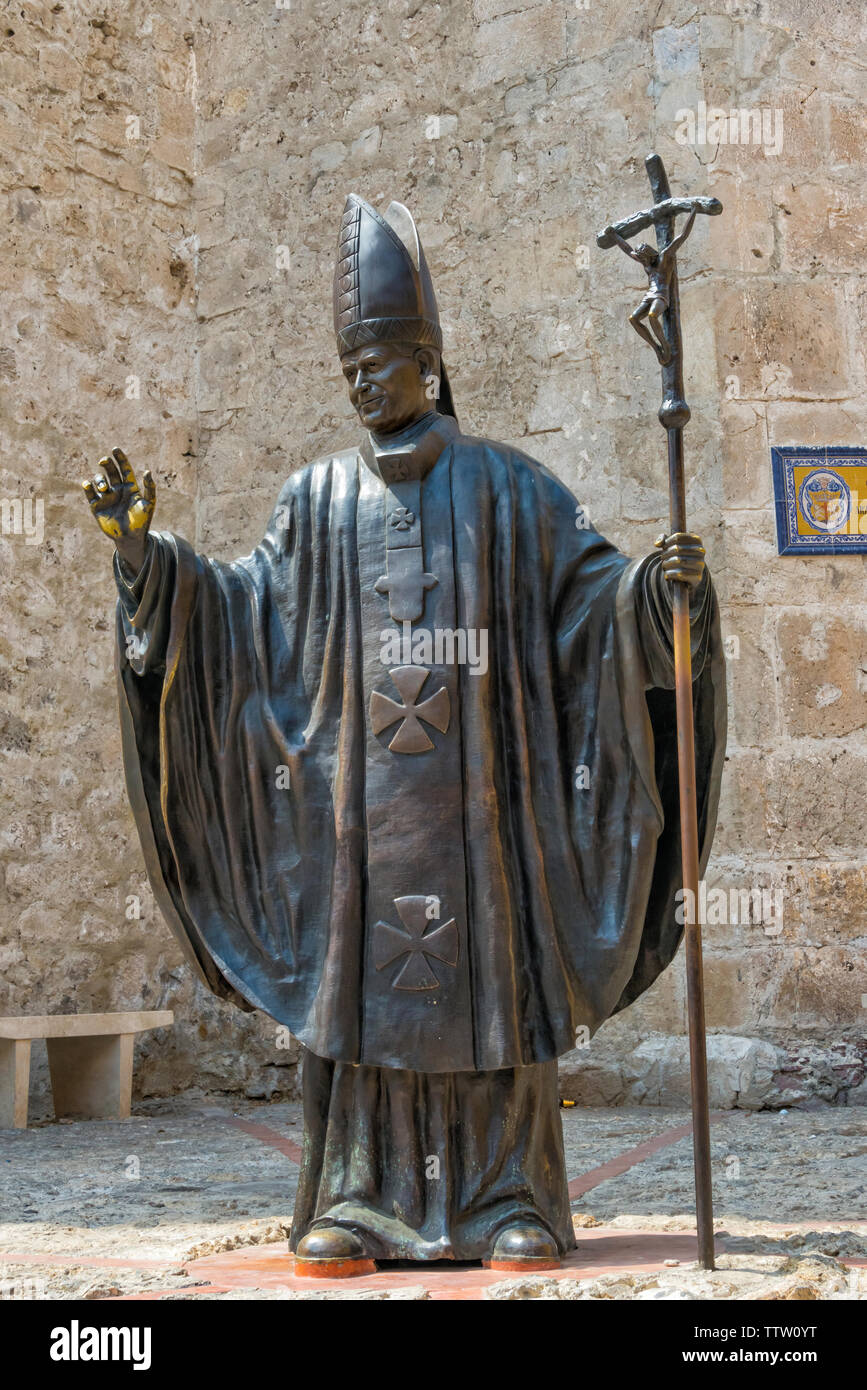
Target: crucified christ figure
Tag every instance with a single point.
(659, 266)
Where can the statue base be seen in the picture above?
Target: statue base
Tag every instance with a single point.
(522, 1266)
(332, 1269)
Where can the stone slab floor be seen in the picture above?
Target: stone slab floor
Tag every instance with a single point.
(191, 1198)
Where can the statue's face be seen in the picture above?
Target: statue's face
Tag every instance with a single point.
(388, 384)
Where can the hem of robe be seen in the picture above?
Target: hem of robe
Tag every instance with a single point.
(369, 1133)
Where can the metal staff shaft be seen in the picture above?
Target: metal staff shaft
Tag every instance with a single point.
(690, 856)
(673, 415)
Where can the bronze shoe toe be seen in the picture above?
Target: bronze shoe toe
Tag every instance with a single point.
(330, 1252)
(524, 1247)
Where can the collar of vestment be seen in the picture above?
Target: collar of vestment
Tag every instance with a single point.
(410, 454)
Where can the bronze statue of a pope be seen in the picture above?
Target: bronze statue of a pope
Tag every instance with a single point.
(436, 871)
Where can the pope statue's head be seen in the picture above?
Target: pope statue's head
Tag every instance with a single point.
(386, 320)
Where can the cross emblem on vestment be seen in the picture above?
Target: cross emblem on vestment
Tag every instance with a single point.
(410, 737)
(418, 939)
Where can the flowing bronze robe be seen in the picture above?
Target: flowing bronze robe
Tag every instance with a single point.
(466, 908)
(563, 896)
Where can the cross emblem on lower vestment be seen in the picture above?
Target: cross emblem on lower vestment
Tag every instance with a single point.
(420, 939)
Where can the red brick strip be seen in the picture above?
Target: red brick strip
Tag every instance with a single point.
(628, 1159)
(265, 1134)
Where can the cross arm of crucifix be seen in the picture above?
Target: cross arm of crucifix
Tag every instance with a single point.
(667, 208)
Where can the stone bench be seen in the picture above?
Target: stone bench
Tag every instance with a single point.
(89, 1057)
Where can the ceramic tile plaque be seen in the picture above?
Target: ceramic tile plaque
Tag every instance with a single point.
(820, 496)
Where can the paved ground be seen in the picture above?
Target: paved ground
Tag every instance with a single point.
(154, 1206)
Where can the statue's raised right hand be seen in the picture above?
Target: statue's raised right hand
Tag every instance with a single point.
(122, 510)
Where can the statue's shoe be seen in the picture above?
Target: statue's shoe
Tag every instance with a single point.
(524, 1248)
(330, 1252)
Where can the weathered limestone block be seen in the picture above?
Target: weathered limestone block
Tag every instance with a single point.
(803, 802)
(741, 1073)
(761, 340)
(752, 658)
(229, 523)
(823, 672)
(233, 271)
(225, 369)
(822, 987)
(824, 903)
(847, 132)
(741, 984)
(216, 1047)
(531, 38)
(740, 49)
(743, 239)
(822, 226)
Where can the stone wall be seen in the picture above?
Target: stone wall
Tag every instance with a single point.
(100, 341)
(188, 259)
